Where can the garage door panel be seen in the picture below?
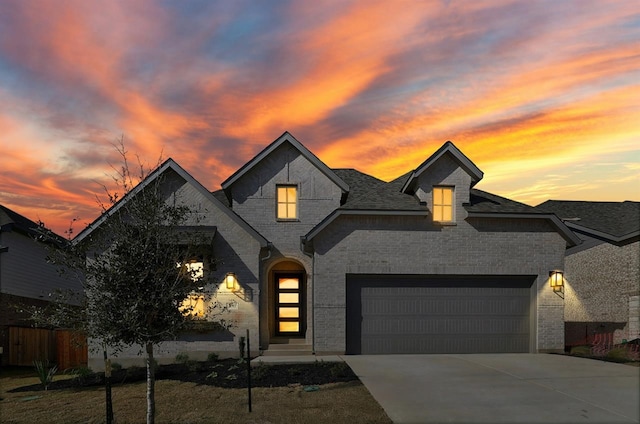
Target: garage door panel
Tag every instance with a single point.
(403, 345)
(435, 326)
(422, 314)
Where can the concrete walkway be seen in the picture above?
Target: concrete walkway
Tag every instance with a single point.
(294, 359)
(500, 388)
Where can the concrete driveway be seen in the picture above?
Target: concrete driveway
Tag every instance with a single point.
(500, 388)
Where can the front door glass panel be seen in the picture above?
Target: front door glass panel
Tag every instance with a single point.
(288, 308)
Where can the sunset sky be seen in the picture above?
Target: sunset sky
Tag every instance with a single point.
(543, 96)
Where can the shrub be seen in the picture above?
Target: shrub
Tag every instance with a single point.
(182, 358)
(44, 372)
(260, 371)
(339, 370)
(618, 354)
(193, 366)
(116, 366)
(212, 357)
(580, 351)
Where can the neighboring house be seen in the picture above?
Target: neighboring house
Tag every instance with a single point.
(603, 272)
(337, 261)
(26, 280)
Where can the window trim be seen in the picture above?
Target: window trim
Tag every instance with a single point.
(435, 205)
(296, 202)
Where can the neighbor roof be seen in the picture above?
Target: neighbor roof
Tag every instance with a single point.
(13, 221)
(614, 221)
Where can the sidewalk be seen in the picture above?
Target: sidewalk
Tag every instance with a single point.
(299, 359)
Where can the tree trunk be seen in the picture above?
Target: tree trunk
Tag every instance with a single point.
(151, 381)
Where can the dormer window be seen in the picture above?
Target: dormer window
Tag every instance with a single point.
(443, 204)
(287, 202)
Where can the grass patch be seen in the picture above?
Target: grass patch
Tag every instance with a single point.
(180, 401)
(581, 351)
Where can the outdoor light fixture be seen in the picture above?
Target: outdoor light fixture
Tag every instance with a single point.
(231, 281)
(556, 279)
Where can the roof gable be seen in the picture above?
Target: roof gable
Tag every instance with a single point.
(450, 149)
(286, 137)
(168, 165)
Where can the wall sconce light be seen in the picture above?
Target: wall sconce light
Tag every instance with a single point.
(231, 281)
(556, 280)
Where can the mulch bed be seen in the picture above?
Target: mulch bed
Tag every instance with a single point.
(228, 373)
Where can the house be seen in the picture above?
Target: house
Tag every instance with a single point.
(27, 280)
(320, 260)
(603, 272)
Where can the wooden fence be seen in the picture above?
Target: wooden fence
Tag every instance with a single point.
(71, 349)
(65, 348)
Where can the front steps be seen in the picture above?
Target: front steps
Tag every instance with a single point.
(288, 347)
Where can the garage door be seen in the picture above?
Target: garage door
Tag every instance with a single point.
(436, 314)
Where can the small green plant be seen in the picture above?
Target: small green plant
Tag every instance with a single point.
(116, 366)
(212, 357)
(80, 374)
(339, 370)
(193, 366)
(212, 374)
(260, 371)
(231, 377)
(294, 371)
(45, 372)
(182, 358)
(233, 367)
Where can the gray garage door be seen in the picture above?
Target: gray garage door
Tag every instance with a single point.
(436, 314)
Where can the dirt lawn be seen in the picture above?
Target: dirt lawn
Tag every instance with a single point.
(189, 402)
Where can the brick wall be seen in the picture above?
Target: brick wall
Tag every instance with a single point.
(412, 245)
(233, 250)
(600, 282)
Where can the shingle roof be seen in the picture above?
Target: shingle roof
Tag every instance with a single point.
(359, 183)
(618, 219)
(369, 193)
(222, 197)
(14, 221)
(481, 201)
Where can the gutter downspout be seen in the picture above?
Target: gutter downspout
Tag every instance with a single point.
(262, 259)
(303, 246)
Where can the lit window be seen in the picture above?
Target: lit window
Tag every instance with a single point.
(443, 204)
(194, 269)
(287, 198)
(193, 306)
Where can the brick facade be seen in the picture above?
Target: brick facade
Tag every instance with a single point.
(601, 283)
(365, 240)
(403, 245)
